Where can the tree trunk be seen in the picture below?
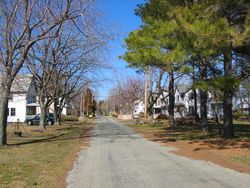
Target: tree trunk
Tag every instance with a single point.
(146, 94)
(227, 102)
(151, 85)
(217, 114)
(59, 115)
(4, 100)
(195, 97)
(59, 118)
(248, 98)
(203, 98)
(3, 116)
(56, 116)
(203, 110)
(42, 123)
(171, 98)
(195, 106)
(241, 101)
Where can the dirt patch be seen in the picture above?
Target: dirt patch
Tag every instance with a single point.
(227, 153)
(207, 151)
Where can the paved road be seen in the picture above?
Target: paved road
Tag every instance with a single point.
(119, 158)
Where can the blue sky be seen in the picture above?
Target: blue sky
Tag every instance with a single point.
(120, 15)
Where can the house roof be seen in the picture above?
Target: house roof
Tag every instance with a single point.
(184, 88)
(21, 83)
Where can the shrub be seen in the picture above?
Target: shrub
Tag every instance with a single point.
(238, 114)
(69, 118)
(185, 121)
(190, 120)
(141, 115)
(162, 116)
(114, 115)
(179, 121)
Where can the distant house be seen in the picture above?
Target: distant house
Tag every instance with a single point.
(185, 105)
(23, 99)
(138, 108)
(242, 101)
(161, 104)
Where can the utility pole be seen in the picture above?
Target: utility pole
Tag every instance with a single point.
(146, 93)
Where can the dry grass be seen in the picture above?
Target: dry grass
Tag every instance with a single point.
(190, 132)
(41, 159)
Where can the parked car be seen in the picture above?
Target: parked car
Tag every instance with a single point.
(34, 120)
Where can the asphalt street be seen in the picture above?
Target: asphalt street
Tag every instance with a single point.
(120, 158)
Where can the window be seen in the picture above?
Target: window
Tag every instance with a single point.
(246, 110)
(157, 111)
(31, 110)
(12, 112)
(191, 96)
(162, 101)
(182, 95)
(158, 102)
(191, 110)
(178, 98)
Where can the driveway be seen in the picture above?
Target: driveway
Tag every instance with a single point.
(120, 158)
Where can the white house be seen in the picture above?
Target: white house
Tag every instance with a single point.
(242, 101)
(22, 91)
(185, 95)
(138, 108)
(184, 103)
(23, 99)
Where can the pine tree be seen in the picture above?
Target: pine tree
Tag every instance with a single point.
(210, 34)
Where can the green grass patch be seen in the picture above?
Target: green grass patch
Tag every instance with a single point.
(238, 122)
(241, 159)
(40, 159)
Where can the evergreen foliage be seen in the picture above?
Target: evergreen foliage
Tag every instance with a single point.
(208, 37)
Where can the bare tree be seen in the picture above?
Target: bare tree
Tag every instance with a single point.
(124, 94)
(23, 23)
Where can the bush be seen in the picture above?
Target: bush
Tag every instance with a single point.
(179, 121)
(69, 118)
(185, 121)
(238, 114)
(114, 115)
(163, 116)
(190, 120)
(141, 115)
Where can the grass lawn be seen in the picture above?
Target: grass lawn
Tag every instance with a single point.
(244, 160)
(41, 159)
(192, 132)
